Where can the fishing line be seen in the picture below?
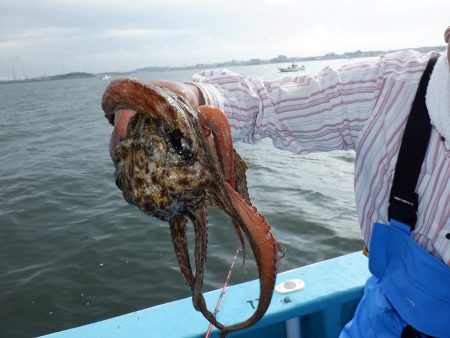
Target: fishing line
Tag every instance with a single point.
(222, 292)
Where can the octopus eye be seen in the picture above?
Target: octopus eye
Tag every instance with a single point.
(178, 143)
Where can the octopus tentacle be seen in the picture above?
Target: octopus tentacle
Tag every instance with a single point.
(124, 94)
(217, 123)
(200, 227)
(265, 251)
(201, 240)
(241, 181)
(179, 240)
(242, 189)
(215, 120)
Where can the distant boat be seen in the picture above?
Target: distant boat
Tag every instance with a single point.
(104, 77)
(291, 68)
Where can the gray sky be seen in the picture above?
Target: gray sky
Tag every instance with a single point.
(60, 36)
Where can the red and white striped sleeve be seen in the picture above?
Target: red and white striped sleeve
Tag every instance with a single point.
(302, 114)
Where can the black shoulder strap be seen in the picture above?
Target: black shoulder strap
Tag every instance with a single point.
(403, 200)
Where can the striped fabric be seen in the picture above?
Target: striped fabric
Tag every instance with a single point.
(363, 106)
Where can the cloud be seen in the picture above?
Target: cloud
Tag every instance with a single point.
(277, 2)
(147, 33)
(17, 42)
(127, 34)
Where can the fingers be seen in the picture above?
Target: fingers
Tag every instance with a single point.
(121, 120)
(200, 100)
(188, 91)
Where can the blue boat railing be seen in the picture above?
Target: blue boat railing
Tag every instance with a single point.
(325, 304)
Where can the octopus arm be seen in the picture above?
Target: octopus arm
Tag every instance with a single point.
(201, 240)
(215, 120)
(179, 240)
(265, 250)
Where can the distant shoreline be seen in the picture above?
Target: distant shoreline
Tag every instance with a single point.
(251, 62)
(285, 59)
(78, 75)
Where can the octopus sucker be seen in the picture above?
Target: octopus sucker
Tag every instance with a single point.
(168, 167)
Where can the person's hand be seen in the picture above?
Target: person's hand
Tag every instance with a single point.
(121, 119)
(189, 92)
(447, 41)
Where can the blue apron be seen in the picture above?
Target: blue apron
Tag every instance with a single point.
(409, 292)
(408, 287)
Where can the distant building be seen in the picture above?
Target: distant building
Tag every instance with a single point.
(279, 58)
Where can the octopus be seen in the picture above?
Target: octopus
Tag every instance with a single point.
(167, 168)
